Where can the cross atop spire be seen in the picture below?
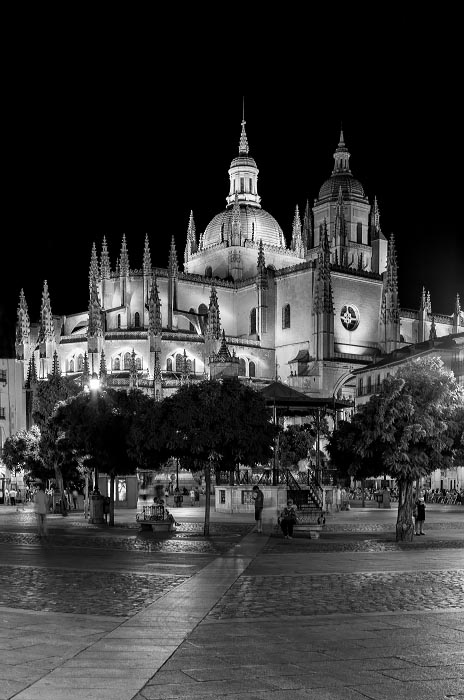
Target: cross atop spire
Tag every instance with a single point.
(341, 157)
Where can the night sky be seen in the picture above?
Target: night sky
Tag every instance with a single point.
(108, 152)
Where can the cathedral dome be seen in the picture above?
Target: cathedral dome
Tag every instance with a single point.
(255, 224)
(351, 188)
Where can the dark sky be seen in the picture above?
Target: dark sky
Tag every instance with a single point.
(106, 151)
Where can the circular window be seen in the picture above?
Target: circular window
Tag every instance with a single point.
(349, 316)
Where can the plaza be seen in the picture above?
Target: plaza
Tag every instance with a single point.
(96, 612)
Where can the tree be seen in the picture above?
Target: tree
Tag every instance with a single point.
(295, 443)
(213, 424)
(96, 428)
(22, 452)
(408, 430)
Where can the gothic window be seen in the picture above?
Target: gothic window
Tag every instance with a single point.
(71, 365)
(209, 271)
(242, 184)
(253, 321)
(222, 232)
(251, 369)
(169, 365)
(286, 316)
(360, 387)
(119, 320)
(359, 232)
(241, 368)
(191, 326)
(138, 363)
(253, 231)
(127, 360)
(179, 360)
(80, 363)
(117, 364)
(251, 185)
(369, 385)
(137, 319)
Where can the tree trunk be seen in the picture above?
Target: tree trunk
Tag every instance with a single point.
(208, 499)
(112, 500)
(59, 483)
(404, 523)
(363, 495)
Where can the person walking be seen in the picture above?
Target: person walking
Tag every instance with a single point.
(192, 496)
(288, 519)
(258, 498)
(41, 509)
(74, 498)
(419, 516)
(12, 496)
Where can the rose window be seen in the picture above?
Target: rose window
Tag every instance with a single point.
(349, 317)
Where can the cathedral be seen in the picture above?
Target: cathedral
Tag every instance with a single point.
(307, 306)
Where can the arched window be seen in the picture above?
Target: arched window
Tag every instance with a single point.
(209, 271)
(203, 312)
(80, 363)
(192, 327)
(119, 320)
(127, 360)
(369, 385)
(117, 364)
(138, 363)
(286, 316)
(169, 365)
(253, 321)
(251, 369)
(242, 368)
(359, 232)
(71, 365)
(137, 319)
(179, 361)
(360, 387)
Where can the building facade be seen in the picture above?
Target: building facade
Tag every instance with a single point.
(309, 305)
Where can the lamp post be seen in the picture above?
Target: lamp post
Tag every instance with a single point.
(96, 499)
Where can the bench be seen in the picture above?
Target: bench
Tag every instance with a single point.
(311, 521)
(155, 518)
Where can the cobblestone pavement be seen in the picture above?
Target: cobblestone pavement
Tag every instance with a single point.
(119, 593)
(266, 596)
(278, 545)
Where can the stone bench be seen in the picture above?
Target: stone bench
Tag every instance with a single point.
(155, 518)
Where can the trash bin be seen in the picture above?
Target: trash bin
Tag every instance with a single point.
(96, 509)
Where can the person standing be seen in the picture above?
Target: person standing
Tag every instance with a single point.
(41, 508)
(74, 497)
(419, 516)
(258, 498)
(192, 496)
(13, 496)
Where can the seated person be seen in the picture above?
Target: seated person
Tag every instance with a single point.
(288, 519)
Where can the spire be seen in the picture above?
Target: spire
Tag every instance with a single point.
(428, 303)
(124, 258)
(323, 294)
(132, 370)
(154, 310)
(457, 305)
(85, 370)
(261, 260)
(213, 328)
(307, 233)
(95, 312)
(390, 307)
(46, 329)
(31, 373)
(103, 371)
(433, 330)
(172, 262)
(56, 371)
(191, 245)
(105, 266)
(157, 370)
(423, 301)
(457, 323)
(236, 223)
(243, 146)
(341, 157)
(146, 257)
(93, 269)
(23, 326)
(392, 267)
(297, 241)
